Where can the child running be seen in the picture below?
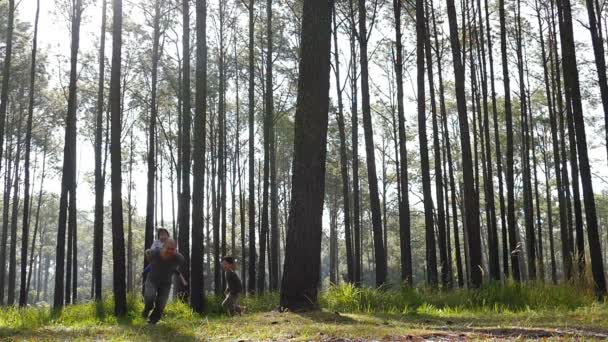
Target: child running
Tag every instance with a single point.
(233, 286)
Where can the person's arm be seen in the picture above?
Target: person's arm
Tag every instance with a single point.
(151, 253)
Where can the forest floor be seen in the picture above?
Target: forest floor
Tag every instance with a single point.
(586, 320)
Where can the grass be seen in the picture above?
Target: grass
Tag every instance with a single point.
(529, 311)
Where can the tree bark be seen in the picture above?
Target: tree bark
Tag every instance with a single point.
(379, 252)
(299, 288)
(68, 179)
(118, 239)
(26, 180)
(197, 280)
(471, 204)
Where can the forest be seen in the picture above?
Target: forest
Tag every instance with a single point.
(353, 156)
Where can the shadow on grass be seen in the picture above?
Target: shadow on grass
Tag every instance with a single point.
(320, 316)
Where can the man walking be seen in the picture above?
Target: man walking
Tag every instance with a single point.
(164, 263)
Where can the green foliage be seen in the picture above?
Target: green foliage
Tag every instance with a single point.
(493, 297)
(348, 312)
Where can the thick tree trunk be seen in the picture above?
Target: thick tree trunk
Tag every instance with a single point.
(300, 282)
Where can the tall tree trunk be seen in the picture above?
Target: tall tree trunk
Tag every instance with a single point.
(471, 204)
(267, 122)
(197, 280)
(443, 252)
(184, 217)
(6, 70)
(572, 83)
(151, 172)
(343, 155)
(549, 214)
(526, 174)
(26, 180)
(379, 252)
(37, 224)
(494, 260)
(118, 237)
(497, 143)
(252, 251)
(99, 179)
(563, 221)
(5, 212)
(447, 143)
(355, 146)
(68, 179)
(130, 210)
(511, 222)
(299, 288)
(404, 210)
(274, 194)
(595, 28)
(12, 268)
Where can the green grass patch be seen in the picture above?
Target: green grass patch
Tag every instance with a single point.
(528, 311)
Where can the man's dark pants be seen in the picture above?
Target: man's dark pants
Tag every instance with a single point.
(155, 297)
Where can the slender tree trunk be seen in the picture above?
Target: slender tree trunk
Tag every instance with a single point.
(343, 155)
(68, 179)
(595, 28)
(511, 222)
(37, 224)
(5, 212)
(99, 179)
(447, 143)
(118, 239)
(443, 253)
(526, 174)
(274, 194)
(355, 147)
(197, 286)
(6, 70)
(252, 249)
(26, 180)
(12, 268)
(471, 203)
(151, 172)
(379, 252)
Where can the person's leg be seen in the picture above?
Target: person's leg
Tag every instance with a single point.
(149, 296)
(229, 304)
(237, 307)
(159, 305)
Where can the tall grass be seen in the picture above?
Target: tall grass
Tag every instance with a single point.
(494, 297)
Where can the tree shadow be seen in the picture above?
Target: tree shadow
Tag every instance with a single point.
(320, 316)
